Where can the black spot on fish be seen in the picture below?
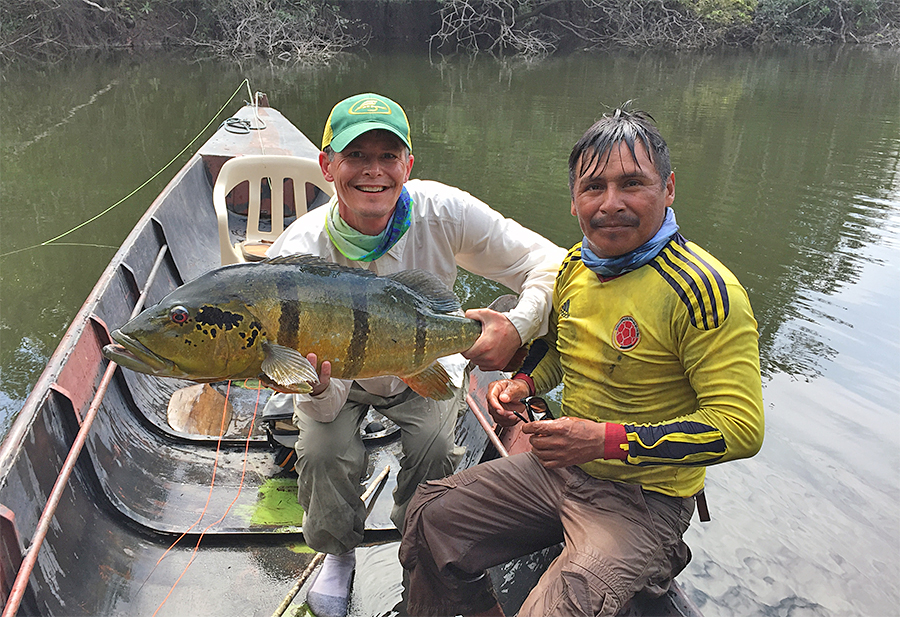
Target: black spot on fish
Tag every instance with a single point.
(214, 316)
(199, 327)
(255, 330)
(212, 333)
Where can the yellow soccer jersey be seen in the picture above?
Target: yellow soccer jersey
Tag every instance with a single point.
(670, 351)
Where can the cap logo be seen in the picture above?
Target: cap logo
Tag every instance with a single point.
(626, 334)
(369, 106)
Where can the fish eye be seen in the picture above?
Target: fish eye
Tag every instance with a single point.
(179, 315)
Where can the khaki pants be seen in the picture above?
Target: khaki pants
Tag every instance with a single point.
(619, 539)
(331, 461)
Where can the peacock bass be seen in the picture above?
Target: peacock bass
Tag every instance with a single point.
(258, 320)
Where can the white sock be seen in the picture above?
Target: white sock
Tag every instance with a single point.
(336, 572)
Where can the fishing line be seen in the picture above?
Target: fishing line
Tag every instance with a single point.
(260, 124)
(148, 181)
(90, 244)
(213, 480)
(208, 497)
(233, 501)
(240, 126)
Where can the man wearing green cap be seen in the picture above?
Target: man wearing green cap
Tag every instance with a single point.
(381, 220)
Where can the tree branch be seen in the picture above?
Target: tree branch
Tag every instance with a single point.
(96, 6)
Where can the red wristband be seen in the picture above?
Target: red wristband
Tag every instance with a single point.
(528, 380)
(615, 444)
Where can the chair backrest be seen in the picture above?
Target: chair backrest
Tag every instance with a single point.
(254, 169)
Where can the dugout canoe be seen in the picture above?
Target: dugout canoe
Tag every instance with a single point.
(106, 509)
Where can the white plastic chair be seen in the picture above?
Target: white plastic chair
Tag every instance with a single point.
(252, 169)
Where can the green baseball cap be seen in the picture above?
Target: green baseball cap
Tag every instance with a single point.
(361, 113)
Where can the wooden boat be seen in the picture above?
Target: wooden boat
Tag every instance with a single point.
(106, 509)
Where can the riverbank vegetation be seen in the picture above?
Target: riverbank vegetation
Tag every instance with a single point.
(277, 29)
(534, 28)
(315, 30)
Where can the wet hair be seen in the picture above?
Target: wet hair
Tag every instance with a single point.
(620, 126)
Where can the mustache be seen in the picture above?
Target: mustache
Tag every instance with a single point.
(616, 220)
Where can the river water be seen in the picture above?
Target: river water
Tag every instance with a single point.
(787, 169)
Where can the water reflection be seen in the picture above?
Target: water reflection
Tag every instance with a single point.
(788, 170)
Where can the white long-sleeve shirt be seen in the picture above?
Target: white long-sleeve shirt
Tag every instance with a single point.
(448, 228)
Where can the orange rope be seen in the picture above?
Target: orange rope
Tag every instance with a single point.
(209, 496)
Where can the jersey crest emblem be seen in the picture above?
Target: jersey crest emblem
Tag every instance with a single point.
(564, 309)
(626, 334)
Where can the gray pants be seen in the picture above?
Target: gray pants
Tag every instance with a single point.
(620, 540)
(332, 461)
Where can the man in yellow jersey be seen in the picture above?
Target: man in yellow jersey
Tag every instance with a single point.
(656, 346)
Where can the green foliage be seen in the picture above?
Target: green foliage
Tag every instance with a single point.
(843, 16)
(134, 8)
(871, 13)
(723, 12)
(784, 13)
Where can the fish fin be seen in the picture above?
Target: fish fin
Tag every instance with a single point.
(312, 262)
(439, 297)
(287, 367)
(504, 303)
(431, 382)
(294, 388)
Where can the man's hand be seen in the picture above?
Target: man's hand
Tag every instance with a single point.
(503, 398)
(498, 342)
(566, 441)
(324, 374)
